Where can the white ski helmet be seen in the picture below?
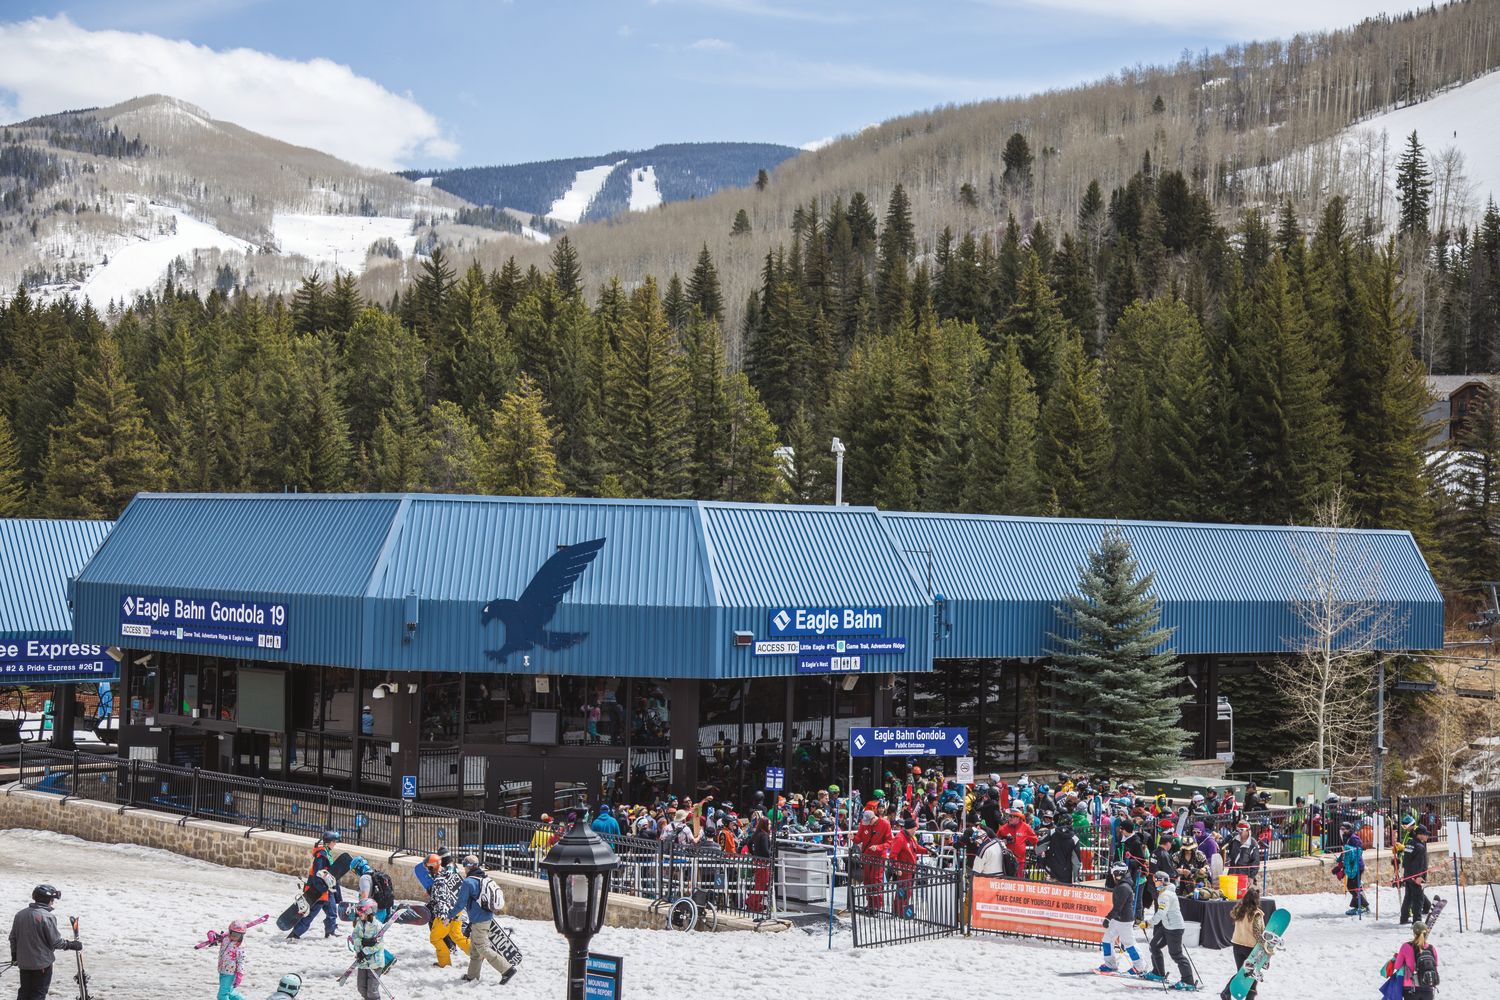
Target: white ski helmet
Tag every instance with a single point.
(290, 984)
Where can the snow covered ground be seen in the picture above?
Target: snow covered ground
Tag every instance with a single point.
(340, 240)
(138, 262)
(644, 193)
(141, 911)
(581, 193)
(1463, 118)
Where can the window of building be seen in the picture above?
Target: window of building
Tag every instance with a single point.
(485, 700)
(341, 705)
(143, 679)
(442, 696)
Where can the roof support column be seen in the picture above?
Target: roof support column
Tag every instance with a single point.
(63, 706)
(683, 721)
(406, 734)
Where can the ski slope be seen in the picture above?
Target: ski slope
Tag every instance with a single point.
(340, 241)
(141, 911)
(1467, 118)
(644, 192)
(138, 263)
(581, 193)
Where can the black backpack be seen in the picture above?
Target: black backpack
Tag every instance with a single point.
(1427, 973)
(382, 891)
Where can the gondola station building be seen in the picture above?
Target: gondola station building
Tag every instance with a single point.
(520, 654)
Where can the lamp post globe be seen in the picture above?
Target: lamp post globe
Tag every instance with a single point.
(578, 868)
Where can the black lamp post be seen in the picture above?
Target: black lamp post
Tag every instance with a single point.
(578, 867)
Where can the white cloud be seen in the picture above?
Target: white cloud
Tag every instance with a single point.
(1261, 20)
(51, 64)
(711, 45)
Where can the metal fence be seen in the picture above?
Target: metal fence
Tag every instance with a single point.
(895, 903)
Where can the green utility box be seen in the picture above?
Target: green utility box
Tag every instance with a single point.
(1185, 787)
(1308, 783)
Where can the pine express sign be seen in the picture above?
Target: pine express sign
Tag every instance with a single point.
(38, 661)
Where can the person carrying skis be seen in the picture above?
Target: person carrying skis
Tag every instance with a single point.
(1414, 902)
(377, 886)
(1417, 962)
(232, 961)
(369, 953)
(1249, 927)
(1351, 865)
(1119, 926)
(1167, 929)
(326, 902)
(473, 896)
(288, 988)
(34, 939)
(442, 879)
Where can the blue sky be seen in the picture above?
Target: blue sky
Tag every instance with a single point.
(450, 82)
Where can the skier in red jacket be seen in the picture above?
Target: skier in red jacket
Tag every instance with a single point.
(873, 839)
(1018, 835)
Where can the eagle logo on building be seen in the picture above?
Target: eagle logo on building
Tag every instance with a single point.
(526, 617)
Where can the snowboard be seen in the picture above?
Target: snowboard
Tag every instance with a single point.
(1254, 969)
(410, 913)
(326, 881)
(214, 937)
(504, 944)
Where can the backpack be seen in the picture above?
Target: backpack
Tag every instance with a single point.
(490, 897)
(1426, 967)
(382, 891)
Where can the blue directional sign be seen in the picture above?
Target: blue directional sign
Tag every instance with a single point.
(909, 741)
(220, 621)
(408, 786)
(45, 661)
(872, 646)
(827, 621)
(825, 663)
(601, 977)
(775, 779)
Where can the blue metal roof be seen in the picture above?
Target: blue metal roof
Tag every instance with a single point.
(1224, 588)
(37, 558)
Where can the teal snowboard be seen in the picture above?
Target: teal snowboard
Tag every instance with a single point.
(1254, 969)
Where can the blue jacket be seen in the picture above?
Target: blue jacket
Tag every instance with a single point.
(606, 825)
(1354, 856)
(468, 900)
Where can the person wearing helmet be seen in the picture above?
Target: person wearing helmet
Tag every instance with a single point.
(370, 956)
(1414, 902)
(1166, 935)
(377, 887)
(288, 988)
(232, 961)
(1119, 926)
(34, 940)
(326, 902)
(441, 878)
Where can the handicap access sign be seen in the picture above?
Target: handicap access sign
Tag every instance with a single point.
(909, 741)
(408, 786)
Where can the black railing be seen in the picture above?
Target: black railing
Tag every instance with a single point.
(894, 903)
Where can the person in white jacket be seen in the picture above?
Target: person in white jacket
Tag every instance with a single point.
(1167, 923)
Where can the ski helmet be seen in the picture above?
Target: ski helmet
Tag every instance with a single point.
(237, 927)
(290, 984)
(366, 907)
(433, 861)
(45, 894)
(1161, 878)
(359, 866)
(1119, 869)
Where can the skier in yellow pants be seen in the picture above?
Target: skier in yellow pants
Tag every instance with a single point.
(441, 878)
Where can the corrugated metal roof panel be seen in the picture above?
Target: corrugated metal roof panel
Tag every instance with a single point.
(643, 601)
(313, 553)
(1226, 588)
(767, 557)
(37, 557)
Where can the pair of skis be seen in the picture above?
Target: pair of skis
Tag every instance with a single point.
(83, 979)
(395, 918)
(214, 937)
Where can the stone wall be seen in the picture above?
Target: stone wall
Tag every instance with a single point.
(265, 850)
(1316, 874)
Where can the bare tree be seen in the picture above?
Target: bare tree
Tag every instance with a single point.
(1342, 625)
(1453, 726)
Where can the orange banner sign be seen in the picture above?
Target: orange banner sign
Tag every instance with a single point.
(1040, 909)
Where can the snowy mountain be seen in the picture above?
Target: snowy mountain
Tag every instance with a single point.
(592, 188)
(106, 202)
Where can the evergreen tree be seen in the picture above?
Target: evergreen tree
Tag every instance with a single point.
(806, 466)
(320, 450)
(1114, 705)
(567, 273)
(12, 487)
(703, 288)
(1002, 471)
(648, 404)
(1413, 189)
(1036, 324)
(741, 225)
(1017, 159)
(105, 451)
(310, 306)
(754, 474)
(762, 179)
(452, 451)
(518, 459)
(397, 455)
(1075, 453)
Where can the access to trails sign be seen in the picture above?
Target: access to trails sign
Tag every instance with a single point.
(1037, 909)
